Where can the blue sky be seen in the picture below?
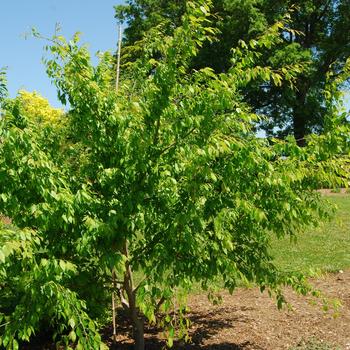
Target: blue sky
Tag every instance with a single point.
(23, 57)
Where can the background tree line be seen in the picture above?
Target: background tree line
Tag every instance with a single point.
(319, 40)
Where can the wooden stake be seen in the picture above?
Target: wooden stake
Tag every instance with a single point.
(113, 308)
(118, 57)
(113, 271)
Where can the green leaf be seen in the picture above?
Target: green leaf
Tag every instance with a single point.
(2, 256)
(72, 336)
(71, 322)
(15, 344)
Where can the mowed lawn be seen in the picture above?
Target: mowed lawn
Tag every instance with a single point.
(322, 249)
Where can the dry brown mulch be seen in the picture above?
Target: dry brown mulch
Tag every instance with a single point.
(334, 192)
(249, 320)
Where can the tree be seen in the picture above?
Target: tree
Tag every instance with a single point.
(320, 42)
(35, 289)
(165, 179)
(3, 87)
(35, 108)
(30, 107)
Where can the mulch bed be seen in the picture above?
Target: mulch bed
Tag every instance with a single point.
(249, 320)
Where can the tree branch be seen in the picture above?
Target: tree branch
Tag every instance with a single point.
(139, 285)
(159, 304)
(176, 142)
(124, 302)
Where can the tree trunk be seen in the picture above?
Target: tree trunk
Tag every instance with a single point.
(136, 319)
(138, 331)
(299, 117)
(299, 128)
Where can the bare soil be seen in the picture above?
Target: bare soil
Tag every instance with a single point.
(250, 320)
(333, 192)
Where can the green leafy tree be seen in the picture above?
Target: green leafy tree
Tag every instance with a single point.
(164, 180)
(34, 291)
(321, 42)
(36, 287)
(3, 86)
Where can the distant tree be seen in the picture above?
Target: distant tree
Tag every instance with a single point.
(321, 42)
(165, 180)
(3, 86)
(31, 107)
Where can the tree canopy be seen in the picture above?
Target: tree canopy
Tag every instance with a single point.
(320, 41)
(3, 88)
(165, 180)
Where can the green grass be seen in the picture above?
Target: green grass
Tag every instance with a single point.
(323, 249)
(317, 251)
